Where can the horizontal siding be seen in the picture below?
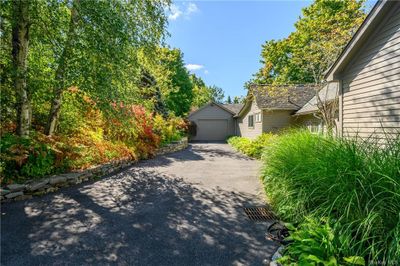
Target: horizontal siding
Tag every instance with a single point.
(391, 96)
(274, 121)
(387, 52)
(243, 129)
(349, 105)
(389, 119)
(373, 113)
(387, 63)
(385, 74)
(211, 112)
(371, 85)
(378, 89)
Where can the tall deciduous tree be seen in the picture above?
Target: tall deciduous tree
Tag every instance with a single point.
(217, 94)
(203, 94)
(99, 52)
(60, 74)
(321, 33)
(172, 78)
(20, 45)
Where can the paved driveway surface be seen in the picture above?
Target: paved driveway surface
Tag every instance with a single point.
(180, 209)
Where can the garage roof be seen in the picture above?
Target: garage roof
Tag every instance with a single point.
(222, 106)
(234, 107)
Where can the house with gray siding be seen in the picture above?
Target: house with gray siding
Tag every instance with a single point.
(267, 109)
(214, 122)
(368, 74)
(271, 108)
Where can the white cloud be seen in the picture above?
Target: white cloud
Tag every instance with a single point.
(175, 12)
(193, 67)
(185, 10)
(191, 8)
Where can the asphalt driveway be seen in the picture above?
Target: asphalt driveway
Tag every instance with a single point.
(183, 208)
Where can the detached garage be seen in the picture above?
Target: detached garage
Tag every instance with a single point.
(214, 122)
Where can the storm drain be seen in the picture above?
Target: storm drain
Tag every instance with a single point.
(260, 214)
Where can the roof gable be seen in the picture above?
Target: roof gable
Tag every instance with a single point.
(212, 104)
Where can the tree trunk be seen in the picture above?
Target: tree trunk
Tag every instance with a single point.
(60, 73)
(20, 44)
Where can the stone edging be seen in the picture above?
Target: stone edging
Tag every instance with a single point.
(53, 183)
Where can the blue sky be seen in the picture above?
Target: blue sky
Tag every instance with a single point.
(221, 40)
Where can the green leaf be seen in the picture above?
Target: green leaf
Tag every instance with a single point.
(356, 260)
(290, 226)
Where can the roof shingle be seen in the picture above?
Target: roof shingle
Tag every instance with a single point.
(288, 97)
(234, 107)
(328, 93)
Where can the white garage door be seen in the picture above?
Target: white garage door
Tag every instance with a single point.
(212, 129)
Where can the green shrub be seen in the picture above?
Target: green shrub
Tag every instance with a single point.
(25, 157)
(169, 129)
(239, 143)
(314, 242)
(253, 148)
(352, 181)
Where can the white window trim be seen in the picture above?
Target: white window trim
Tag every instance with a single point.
(248, 121)
(259, 118)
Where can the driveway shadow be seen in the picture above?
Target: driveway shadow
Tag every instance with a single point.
(137, 217)
(196, 152)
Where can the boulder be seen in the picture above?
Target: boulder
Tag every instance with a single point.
(57, 179)
(37, 185)
(73, 176)
(4, 191)
(14, 194)
(16, 187)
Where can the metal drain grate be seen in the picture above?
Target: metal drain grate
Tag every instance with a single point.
(260, 214)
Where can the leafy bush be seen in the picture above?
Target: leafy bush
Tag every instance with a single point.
(253, 148)
(240, 143)
(28, 157)
(355, 182)
(314, 242)
(170, 129)
(88, 136)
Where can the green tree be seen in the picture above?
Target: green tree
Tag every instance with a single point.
(173, 79)
(100, 41)
(201, 93)
(217, 94)
(239, 99)
(229, 100)
(321, 33)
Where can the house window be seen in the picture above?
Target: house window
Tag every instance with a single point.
(258, 118)
(316, 127)
(251, 121)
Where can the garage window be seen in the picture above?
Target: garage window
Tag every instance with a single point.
(251, 121)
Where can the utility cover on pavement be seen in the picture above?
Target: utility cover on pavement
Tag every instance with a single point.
(260, 214)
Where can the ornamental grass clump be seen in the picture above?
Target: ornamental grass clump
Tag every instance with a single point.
(355, 182)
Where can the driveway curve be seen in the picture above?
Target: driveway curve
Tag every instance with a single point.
(183, 208)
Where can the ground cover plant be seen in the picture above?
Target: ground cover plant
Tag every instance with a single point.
(353, 183)
(253, 148)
